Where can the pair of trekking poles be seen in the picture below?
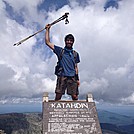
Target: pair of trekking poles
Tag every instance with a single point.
(65, 16)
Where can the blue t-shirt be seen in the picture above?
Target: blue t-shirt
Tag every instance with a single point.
(67, 61)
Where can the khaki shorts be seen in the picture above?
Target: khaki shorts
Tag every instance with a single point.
(67, 83)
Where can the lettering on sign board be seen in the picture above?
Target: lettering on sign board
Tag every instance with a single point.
(70, 118)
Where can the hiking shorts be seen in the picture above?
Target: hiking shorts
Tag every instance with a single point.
(66, 83)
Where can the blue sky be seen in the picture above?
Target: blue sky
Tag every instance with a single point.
(104, 40)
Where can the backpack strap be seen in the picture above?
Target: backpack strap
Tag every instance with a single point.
(75, 54)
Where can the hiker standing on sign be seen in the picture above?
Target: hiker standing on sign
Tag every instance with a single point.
(67, 68)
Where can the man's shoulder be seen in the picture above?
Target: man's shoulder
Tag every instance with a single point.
(57, 48)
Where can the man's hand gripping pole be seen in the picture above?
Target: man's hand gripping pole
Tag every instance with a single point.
(65, 16)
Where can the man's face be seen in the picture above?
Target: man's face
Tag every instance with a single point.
(69, 43)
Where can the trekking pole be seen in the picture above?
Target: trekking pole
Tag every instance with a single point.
(65, 16)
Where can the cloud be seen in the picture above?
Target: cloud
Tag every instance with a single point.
(103, 39)
(23, 72)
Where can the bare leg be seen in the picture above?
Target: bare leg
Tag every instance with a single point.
(74, 97)
(58, 96)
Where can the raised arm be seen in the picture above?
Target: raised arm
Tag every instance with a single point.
(47, 38)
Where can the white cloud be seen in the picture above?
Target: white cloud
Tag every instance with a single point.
(129, 100)
(103, 39)
(22, 72)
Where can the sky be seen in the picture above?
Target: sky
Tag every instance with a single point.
(104, 38)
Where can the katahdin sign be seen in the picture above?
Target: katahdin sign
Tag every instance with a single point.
(70, 117)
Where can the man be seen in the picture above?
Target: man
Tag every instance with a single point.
(68, 77)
